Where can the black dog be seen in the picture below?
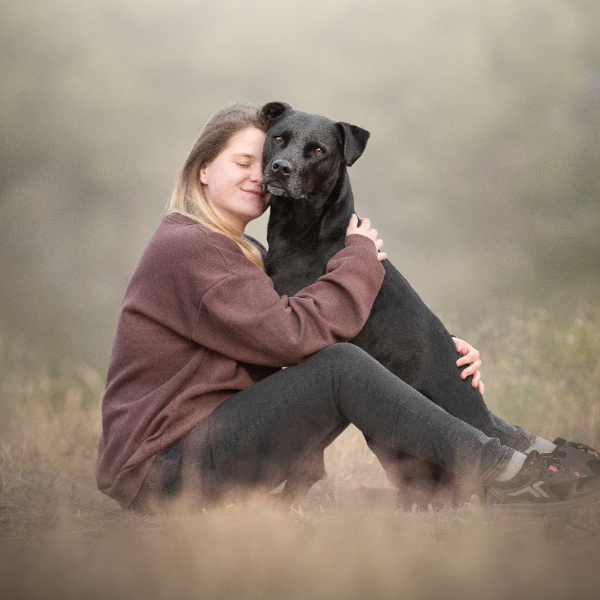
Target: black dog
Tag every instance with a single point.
(305, 162)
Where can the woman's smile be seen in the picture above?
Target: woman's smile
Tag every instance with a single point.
(255, 192)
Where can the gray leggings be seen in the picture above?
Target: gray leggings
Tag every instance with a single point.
(276, 429)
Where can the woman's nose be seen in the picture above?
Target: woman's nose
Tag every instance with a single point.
(257, 174)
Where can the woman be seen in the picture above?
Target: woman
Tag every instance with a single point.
(197, 402)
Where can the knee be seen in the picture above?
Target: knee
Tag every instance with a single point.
(345, 354)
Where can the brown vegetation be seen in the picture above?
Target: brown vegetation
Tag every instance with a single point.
(60, 538)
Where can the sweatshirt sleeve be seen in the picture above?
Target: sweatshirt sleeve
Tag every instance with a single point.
(242, 316)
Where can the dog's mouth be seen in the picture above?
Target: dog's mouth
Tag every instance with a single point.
(275, 189)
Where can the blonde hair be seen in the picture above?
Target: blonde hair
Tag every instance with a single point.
(188, 198)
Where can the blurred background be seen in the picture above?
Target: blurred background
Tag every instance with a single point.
(482, 173)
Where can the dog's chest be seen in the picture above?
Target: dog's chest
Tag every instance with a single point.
(294, 265)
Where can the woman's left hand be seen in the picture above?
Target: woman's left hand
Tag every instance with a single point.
(470, 357)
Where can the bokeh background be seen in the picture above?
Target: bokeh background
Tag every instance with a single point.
(482, 173)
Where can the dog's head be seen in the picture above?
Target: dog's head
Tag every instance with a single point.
(304, 153)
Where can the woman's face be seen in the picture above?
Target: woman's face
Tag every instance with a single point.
(231, 182)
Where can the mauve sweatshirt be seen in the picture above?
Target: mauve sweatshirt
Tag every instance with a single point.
(200, 322)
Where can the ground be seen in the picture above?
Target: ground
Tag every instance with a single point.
(61, 538)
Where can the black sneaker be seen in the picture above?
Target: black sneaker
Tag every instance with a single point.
(578, 457)
(543, 485)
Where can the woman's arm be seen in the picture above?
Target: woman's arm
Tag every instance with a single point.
(243, 317)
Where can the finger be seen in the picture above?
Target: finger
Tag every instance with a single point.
(461, 346)
(352, 225)
(365, 223)
(471, 369)
(481, 387)
(476, 379)
(379, 244)
(468, 358)
(464, 360)
(381, 256)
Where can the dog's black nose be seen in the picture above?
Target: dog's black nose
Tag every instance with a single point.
(282, 167)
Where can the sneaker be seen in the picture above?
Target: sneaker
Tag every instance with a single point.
(579, 457)
(544, 485)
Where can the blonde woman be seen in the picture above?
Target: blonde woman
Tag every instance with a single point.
(197, 403)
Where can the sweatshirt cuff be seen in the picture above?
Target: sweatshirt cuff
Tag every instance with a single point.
(356, 239)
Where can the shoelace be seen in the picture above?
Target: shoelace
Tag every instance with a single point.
(586, 448)
(545, 462)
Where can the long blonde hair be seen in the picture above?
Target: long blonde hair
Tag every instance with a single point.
(187, 197)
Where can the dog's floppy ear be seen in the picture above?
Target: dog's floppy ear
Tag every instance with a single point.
(272, 110)
(354, 141)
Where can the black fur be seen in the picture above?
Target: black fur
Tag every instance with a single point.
(305, 164)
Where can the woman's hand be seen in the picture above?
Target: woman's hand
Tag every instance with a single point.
(470, 356)
(365, 229)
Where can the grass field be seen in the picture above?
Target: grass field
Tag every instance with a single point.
(60, 538)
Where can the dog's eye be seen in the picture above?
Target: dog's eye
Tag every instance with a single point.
(318, 151)
(278, 139)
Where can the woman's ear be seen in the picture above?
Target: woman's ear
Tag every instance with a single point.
(202, 174)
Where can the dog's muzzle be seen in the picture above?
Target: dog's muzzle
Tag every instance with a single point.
(280, 179)
(274, 189)
(276, 177)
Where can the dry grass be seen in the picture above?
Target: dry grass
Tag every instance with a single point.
(60, 538)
